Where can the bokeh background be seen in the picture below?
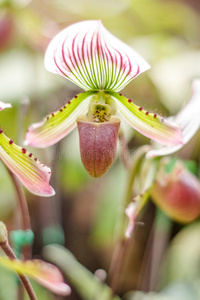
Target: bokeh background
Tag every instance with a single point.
(83, 215)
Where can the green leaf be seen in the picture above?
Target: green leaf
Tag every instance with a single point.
(183, 257)
(88, 286)
(148, 296)
(182, 290)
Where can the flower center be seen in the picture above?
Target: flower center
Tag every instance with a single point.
(101, 108)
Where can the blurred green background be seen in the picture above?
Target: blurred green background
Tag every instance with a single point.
(84, 212)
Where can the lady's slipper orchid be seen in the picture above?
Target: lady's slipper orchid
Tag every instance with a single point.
(44, 273)
(33, 174)
(177, 193)
(187, 119)
(91, 57)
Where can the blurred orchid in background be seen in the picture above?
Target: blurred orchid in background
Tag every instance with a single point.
(177, 192)
(88, 55)
(187, 119)
(33, 174)
(172, 187)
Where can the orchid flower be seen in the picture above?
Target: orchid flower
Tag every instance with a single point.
(187, 119)
(177, 193)
(92, 58)
(33, 174)
(174, 189)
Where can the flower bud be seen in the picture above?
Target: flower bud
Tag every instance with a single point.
(98, 144)
(177, 194)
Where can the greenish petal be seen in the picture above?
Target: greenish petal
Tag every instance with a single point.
(58, 124)
(149, 124)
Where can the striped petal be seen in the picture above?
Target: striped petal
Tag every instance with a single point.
(58, 124)
(4, 105)
(91, 57)
(149, 124)
(187, 119)
(44, 273)
(34, 175)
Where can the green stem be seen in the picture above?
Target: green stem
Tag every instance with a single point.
(161, 236)
(123, 243)
(136, 162)
(26, 223)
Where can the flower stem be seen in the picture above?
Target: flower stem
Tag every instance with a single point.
(123, 243)
(161, 235)
(25, 217)
(135, 166)
(26, 224)
(10, 254)
(115, 265)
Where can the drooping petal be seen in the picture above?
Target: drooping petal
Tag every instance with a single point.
(44, 273)
(33, 174)
(4, 105)
(187, 119)
(91, 57)
(98, 144)
(177, 194)
(131, 214)
(134, 208)
(149, 124)
(58, 124)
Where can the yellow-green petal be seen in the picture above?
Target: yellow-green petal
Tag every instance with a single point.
(58, 124)
(34, 175)
(149, 124)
